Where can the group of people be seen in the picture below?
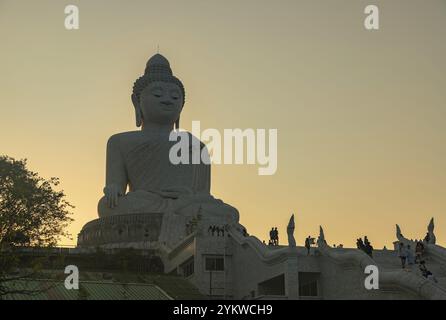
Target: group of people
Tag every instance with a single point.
(216, 231)
(425, 272)
(273, 237)
(365, 245)
(308, 242)
(404, 252)
(407, 257)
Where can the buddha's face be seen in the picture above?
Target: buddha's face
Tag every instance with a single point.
(161, 102)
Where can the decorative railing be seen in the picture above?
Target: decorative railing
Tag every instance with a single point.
(410, 281)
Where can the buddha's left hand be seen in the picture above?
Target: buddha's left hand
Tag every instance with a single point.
(184, 197)
(176, 192)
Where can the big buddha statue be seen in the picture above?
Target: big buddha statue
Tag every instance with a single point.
(146, 196)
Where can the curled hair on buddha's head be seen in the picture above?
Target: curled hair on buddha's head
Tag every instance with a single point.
(157, 69)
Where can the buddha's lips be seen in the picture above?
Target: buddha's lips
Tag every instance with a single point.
(170, 107)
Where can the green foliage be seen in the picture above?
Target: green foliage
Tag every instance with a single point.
(32, 212)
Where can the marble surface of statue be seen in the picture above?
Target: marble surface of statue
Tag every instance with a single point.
(141, 179)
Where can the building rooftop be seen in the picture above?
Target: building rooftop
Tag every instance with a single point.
(49, 289)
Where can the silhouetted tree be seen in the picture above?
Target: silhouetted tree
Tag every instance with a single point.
(32, 212)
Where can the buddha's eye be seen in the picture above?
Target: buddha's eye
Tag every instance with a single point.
(175, 95)
(157, 92)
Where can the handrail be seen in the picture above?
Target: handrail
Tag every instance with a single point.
(410, 281)
(259, 248)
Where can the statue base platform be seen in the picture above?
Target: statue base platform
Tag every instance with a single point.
(122, 231)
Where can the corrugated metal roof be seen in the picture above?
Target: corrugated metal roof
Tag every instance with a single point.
(90, 290)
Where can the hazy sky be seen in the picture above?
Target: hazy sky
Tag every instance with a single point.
(360, 114)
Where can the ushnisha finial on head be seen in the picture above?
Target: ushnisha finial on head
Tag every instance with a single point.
(157, 70)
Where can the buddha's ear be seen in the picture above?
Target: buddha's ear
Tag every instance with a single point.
(177, 123)
(138, 114)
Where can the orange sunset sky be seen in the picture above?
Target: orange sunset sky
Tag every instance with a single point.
(360, 114)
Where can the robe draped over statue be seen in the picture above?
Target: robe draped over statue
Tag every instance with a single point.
(156, 185)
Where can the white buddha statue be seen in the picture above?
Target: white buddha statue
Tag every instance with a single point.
(140, 178)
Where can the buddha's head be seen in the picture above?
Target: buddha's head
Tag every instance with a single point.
(158, 96)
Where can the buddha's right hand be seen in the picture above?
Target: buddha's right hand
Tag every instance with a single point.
(112, 193)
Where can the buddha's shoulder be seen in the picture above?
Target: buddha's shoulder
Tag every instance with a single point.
(125, 138)
(190, 138)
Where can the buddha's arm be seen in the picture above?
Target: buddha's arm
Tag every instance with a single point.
(116, 176)
(203, 175)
